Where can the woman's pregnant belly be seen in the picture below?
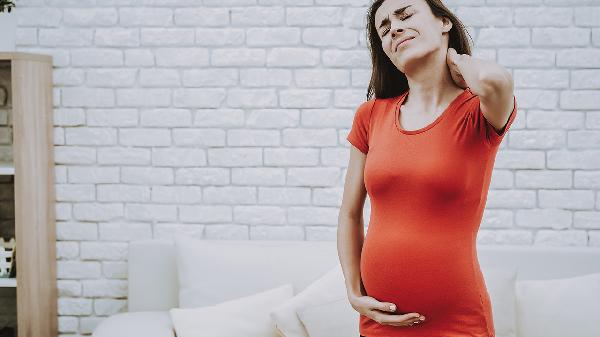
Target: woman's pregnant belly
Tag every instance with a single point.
(432, 273)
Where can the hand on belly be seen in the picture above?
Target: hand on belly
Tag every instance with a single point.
(384, 312)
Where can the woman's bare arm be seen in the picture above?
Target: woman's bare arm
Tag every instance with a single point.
(487, 79)
(350, 238)
(350, 232)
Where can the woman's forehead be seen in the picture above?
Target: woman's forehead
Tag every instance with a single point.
(388, 7)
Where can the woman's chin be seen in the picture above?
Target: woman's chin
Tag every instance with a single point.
(405, 58)
(407, 61)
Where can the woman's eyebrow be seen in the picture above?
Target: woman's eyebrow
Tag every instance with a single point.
(397, 12)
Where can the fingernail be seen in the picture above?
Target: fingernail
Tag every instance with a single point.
(392, 307)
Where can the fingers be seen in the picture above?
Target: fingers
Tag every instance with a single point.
(451, 55)
(454, 58)
(408, 319)
(458, 78)
(385, 313)
(383, 306)
(386, 306)
(411, 321)
(417, 321)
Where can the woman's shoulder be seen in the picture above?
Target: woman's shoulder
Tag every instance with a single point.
(466, 100)
(385, 103)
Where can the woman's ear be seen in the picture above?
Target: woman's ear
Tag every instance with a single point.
(446, 24)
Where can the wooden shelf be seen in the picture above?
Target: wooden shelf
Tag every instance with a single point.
(8, 282)
(32, 167)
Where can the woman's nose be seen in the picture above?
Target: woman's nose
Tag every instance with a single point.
(397, 31)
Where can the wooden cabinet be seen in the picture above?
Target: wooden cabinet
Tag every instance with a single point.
(28, 162)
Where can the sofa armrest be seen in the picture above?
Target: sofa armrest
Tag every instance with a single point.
(136, 324)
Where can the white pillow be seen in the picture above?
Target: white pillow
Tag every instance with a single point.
(338, 318)
(212, 271)
(332, 319)
(559, 307)
(327, 288)
(247, 316)
(500, 283)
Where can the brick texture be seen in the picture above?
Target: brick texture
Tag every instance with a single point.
(227, 119)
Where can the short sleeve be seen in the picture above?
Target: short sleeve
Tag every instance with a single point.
(486, 130)
(359, 133)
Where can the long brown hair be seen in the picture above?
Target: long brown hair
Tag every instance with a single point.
(386, 80)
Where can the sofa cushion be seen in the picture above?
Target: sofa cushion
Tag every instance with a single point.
(213, 271)
(500, 283)
(327, 288)
(559, 307)
(136, 324)
(335, 318)
(247, 316)
(324, 310)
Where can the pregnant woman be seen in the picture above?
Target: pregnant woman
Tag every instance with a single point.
(423, 149)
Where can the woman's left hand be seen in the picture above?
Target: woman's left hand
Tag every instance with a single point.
(453, 59)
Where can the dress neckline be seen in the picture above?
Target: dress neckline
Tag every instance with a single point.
(455, 101)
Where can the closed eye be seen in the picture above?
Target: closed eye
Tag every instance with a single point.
(387, 30)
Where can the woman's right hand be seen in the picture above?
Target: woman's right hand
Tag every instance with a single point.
(384, 312)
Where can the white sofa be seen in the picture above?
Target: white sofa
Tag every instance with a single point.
(153, 281)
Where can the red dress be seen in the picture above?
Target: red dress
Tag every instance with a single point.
(428, 189)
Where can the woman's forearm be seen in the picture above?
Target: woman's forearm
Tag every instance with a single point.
(350, 237)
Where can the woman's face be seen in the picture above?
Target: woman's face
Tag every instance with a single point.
(398, 20)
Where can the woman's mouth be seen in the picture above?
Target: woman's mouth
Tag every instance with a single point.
(403, 43)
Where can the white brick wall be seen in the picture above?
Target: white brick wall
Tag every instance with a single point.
(227, 119)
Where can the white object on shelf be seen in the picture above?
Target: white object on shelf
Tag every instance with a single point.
(8, 27)
(7, 169)
(8, 282)
(6, 254)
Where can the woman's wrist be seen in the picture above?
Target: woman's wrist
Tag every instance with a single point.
(356, 292)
